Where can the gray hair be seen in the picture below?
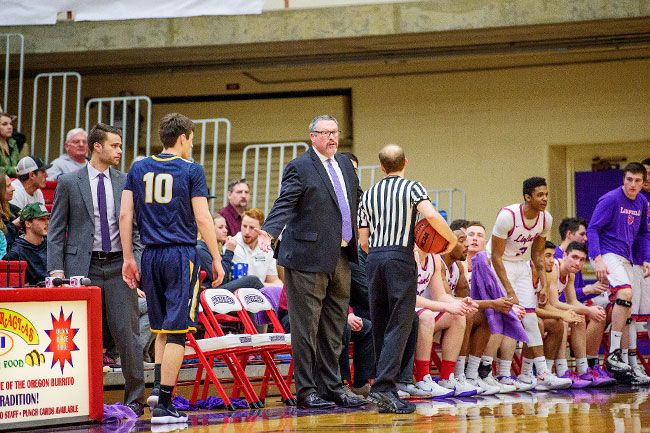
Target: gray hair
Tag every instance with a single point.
(71, 133)
(315, 120)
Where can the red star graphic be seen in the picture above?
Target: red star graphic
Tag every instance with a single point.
(61, 340)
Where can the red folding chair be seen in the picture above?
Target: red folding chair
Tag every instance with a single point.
(217, 345)
(12, 273)
(268, 344)
(49, 190)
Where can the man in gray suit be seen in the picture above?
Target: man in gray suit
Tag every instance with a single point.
(84, 239)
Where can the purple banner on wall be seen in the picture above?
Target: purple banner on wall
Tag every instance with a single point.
(590, 185)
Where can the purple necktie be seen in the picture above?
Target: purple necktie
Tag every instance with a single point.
(346, 229)
(103, 214)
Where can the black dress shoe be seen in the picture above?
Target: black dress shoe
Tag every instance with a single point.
(314, 401)
(346, 398)
(389, 402)
(137, 407)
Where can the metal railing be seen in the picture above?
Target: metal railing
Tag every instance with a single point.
(64, 108)
(126, 115)
(202, 135)
(269, 148)
(10, 41)
(451, 201)
(372, 171)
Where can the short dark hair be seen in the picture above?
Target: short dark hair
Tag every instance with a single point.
(570, 224)
(172, 126)
(549, 244)
(579, 246)
(99, 132)
(531, 183)
(646, 161)
(392, 161)
(459, 224)
(351, 156)
(636, 168)
(476, 224)
(234, 183)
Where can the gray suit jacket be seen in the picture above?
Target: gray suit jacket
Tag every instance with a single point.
(72, 224)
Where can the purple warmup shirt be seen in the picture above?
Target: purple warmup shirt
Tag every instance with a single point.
(615, 224)
(637, 251)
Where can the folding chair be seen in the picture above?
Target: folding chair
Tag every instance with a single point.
(48, 193)
(268, 344)
(12, 273)
(216, 345)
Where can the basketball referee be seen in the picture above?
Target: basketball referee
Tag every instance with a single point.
(387, 216)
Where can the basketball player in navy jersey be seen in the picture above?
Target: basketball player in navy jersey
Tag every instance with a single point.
(168, 195)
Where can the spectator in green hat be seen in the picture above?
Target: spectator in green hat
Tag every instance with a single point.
(32, 246)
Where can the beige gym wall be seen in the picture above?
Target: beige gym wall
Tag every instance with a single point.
(481, 131)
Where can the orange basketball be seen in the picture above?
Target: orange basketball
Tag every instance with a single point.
(428, 239)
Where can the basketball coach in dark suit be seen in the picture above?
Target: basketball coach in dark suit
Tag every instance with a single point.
(84, 240)
(317, 209)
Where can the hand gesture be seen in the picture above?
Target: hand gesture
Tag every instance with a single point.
(217, 272)
(601, 271)
(130, 273)
(264, 240)
(470, 305)
(355, 322)
(231, 243)
(519, 311)
(597, 313)
(596, 288)
(503, 305)
(572, 317)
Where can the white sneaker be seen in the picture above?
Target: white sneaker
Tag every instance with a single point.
(427, 384)
(408, 390)
(503, 388)
(460, 388)
(484, 387)
(520, 386)
(549, 381)
(640, 376)
(528, 380)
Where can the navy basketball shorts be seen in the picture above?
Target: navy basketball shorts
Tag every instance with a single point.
(169, 278)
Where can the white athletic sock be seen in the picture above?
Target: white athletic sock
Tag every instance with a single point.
(581, 365)
(459, 371)
(486, 360)
(615, 340)
(549, 364)
(561, 366)
(527, 367)
(472, 367)
(624, 355)
(633, 361)
(504, 367)
(540, 366)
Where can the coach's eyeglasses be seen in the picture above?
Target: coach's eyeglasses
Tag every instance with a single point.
(327, 133)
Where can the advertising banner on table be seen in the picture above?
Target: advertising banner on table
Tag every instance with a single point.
(46, 372)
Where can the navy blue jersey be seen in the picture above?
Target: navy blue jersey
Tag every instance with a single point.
(163, 187)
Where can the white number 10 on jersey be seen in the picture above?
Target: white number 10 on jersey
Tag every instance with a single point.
(158, 188)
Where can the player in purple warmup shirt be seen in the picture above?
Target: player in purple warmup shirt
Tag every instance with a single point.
(619, 218)
(640, 285)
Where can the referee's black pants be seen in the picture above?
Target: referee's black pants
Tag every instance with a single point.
(392, 284)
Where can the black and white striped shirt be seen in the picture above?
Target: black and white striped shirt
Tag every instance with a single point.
(388, 209)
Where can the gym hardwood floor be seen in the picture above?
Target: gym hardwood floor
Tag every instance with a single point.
(621, 409)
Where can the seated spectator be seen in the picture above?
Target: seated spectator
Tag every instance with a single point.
(227, 246)
(32, 246)
(74, 158)
(8, 212)
(238, 195)
(260, 264)
(9, 147)
(32, 176)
